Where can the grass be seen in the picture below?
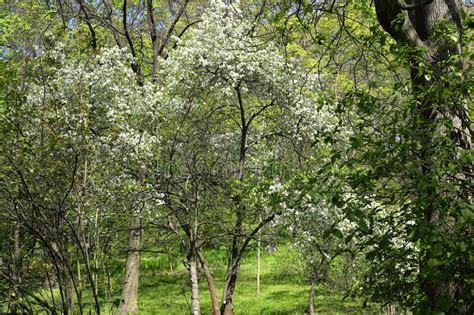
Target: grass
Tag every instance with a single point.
(282, 291)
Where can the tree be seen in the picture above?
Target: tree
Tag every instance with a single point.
(62, 144)
(225, 71)
(418, 24)
(343, 125)
(407, 167)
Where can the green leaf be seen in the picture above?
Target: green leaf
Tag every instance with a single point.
(337, 233)
(467, 214)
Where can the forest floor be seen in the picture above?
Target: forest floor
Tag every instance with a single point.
(164, 290)
(282, 291)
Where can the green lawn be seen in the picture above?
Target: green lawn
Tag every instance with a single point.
(282, 291)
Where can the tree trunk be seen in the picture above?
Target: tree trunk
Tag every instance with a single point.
(79, 276)
(258, 264)
(17, 267)
(210, 284)
(193, 276)
(128, 300)
(312, 293)
(153, 37)
(231, 280)
(69, 292)
(170, 262)
(229, 287)
(235, 253)
(416, 28)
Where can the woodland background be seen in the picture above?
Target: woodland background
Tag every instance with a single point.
(282, 157)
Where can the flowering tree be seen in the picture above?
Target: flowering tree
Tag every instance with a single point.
(78, 124)
(227, 74)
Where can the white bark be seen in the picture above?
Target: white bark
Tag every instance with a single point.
(193, 275)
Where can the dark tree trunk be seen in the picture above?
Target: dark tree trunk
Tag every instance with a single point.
(235, 251)
(210, 284)
(229, 287)
(231, 280)
(413, 23)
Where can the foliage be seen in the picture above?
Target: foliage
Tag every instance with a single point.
(199, 126)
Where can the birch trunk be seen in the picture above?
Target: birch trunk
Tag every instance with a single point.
(193, 276)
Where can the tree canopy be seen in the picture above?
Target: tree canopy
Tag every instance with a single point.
(186, 142)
